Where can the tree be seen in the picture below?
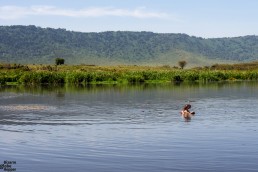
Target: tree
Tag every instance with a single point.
(59, 61)
(182, 64)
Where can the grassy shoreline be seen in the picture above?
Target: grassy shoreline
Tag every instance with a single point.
(90, 74)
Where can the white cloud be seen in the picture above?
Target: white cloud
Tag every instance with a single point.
(11, 12)
(16, 12)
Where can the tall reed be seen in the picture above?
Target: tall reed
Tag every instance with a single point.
(125, 76)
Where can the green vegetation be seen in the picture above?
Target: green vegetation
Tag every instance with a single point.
(30, 44)
(90, 74)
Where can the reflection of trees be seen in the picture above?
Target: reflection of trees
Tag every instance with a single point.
(60, 94)
(61, 90)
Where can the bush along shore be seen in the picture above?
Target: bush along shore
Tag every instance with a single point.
(84, 74)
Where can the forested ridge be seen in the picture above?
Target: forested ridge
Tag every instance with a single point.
(31, 44)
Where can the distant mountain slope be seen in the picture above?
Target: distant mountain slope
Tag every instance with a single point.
(30, 44)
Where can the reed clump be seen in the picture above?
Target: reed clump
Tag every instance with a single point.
(85, 74)
(42, 77)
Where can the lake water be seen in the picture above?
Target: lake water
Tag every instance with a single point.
(130, 128)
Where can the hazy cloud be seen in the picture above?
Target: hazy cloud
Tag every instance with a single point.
(16, 12)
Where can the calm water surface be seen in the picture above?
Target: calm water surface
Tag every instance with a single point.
(130, 128)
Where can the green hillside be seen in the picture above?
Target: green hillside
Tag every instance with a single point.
(31, 44)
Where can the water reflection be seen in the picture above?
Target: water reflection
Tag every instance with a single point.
(130, 127)
(143, 86)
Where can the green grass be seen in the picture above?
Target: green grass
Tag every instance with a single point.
(90, 74)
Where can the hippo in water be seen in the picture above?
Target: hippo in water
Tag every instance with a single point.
(186, 113)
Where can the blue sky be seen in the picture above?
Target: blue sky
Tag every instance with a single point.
(204, 18)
